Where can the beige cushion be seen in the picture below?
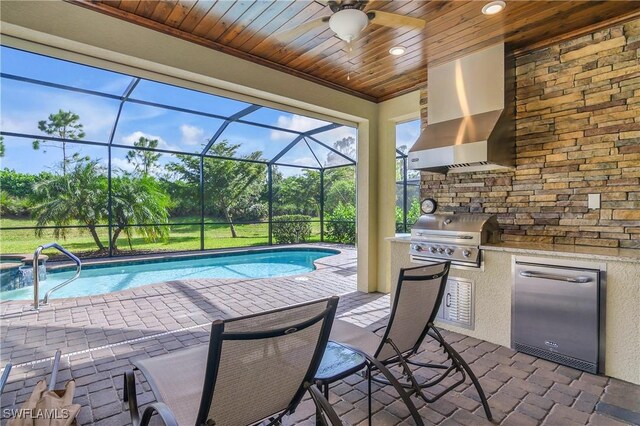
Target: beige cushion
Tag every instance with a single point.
(354, 336)
(177, 379)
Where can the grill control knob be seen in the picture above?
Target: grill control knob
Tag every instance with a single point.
(466, 253)
(432, 249)
(449, 251)
(440, 250)
(417, 247)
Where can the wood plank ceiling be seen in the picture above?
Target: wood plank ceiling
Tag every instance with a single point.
(454, 28)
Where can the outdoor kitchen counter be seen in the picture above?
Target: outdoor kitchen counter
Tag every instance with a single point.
(564, 250)
(572, 251)
(492, 294)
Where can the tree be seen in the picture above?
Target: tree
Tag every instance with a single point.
(138, 200)
(65, 125)
(1, 146)
(298, 194)
(339, 187)
(143, 160)
(231, 187)
(413, 213)
(346, 146)
(79, 196)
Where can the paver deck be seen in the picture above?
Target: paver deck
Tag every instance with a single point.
(101, 335)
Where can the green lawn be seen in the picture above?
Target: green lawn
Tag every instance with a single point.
(181, 237)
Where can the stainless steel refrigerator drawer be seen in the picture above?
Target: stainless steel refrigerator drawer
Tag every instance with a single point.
(556, 313)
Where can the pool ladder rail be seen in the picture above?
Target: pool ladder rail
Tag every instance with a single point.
(36, 274)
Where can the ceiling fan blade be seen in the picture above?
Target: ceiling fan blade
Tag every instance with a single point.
(394, 20)
(295, 32)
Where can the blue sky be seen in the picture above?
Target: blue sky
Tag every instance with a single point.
(407, 133)
(22, 105)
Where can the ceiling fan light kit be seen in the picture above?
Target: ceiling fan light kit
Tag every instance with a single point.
(493, 7)
(348, 23)
(349, 19)
(397, 50)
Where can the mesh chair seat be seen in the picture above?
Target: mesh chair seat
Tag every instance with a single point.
(183, 370)
(357, 337)
(255, 367)
(418, 296)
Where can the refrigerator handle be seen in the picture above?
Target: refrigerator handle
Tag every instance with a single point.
(580, 280)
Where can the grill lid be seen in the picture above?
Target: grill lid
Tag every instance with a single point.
(457, 223)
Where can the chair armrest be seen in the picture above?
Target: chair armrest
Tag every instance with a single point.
(323, 405)
(379, 328)
(398, 387)
(163, 411)
(131, 397)
(5, 376)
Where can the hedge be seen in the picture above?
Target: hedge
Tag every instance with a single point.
(341, 224)
(291, 228)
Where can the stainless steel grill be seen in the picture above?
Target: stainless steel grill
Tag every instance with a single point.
(437, 237)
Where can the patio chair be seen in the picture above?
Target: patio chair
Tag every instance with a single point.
(417, 299)
(255, 368)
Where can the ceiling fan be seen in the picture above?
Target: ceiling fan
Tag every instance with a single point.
(349, 20)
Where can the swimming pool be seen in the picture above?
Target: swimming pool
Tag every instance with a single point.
(110, 277)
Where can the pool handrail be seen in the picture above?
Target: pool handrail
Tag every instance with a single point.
(36, 274)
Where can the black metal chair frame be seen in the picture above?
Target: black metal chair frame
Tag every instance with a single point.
(457, 363)
(5, 376)
(218, 336)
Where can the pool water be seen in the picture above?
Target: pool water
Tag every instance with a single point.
(107, 278)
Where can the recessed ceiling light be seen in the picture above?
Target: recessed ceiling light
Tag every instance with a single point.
(493, 7)
(397, 50)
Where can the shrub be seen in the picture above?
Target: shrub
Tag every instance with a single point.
(292, 228)
(13, 206)
(412, 215)
(341, 224)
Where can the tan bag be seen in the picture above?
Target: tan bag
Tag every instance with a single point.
(48, 408)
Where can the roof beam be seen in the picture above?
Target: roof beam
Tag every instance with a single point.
(127, 92)
(286, 149)
(332, 149)
(223, 127)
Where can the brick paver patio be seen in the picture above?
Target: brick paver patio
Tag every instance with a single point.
(100, 335)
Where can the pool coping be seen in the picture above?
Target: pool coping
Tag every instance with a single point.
(333, 248)
(167, 256)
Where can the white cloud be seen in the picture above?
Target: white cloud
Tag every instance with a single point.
(133, 137)
(96, 115)
(121, 164)
(297, 123)
(22, 123)
(191, 135)
(117, 85)
(300, 123)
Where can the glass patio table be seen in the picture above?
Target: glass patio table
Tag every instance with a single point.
(337, 363)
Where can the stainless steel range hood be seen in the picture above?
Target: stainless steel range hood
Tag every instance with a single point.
(471, 115)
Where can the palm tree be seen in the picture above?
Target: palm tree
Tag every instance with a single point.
(139, 201)
(80, 195)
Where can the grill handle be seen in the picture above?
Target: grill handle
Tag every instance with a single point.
(579, 280)
(453, 237)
